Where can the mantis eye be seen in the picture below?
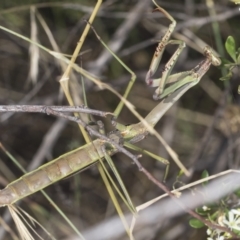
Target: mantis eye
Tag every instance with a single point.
(216, 61)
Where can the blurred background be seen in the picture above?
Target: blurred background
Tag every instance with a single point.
(202, 127)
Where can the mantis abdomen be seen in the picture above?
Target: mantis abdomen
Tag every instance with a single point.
(52, 172)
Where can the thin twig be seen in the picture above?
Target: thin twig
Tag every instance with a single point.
(185, 208)
(45, 109)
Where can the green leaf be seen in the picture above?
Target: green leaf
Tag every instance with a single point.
(238, 59)
(231, 48)
(230, 66)
(226, 77)
(200, 211)
(237, 192)
(180, 173)
(195, 223)
(205, 174)
(226, 63)
(238, 51)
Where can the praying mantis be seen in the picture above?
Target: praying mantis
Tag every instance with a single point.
(169, 88)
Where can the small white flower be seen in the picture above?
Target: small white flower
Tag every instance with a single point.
(215, 234)
(205, 208)
(227, 235)
(209, 231)
(235, 211)
(233, 221)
